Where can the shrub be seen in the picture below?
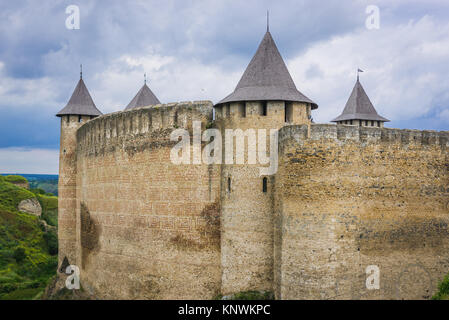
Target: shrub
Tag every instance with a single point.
(19, 254)
(15, 179)
(52, 242)
(37, 191)
(443, 290)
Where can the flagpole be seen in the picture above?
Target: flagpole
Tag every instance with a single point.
(358, 73)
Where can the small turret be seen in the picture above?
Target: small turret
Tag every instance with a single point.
(80, 103)
(145, 97)
(359, 110)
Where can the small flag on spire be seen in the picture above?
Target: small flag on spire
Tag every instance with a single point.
(358, 71)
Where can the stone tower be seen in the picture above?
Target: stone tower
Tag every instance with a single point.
(78, 110)
(265, 98)
(359, 111)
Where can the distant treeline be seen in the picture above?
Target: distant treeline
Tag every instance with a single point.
(46, 182)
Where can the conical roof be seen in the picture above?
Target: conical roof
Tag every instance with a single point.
(267, 78)
(359, 107)
(80, 103)
(145, 97)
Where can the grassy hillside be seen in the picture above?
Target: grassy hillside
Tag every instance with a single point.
(46, 182)
(27, 252)
(15, 179)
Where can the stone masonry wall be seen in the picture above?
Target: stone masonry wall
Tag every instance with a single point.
(146, 228)
(350, 197)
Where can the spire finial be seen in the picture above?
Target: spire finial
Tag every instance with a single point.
(145, 78)
(358, 72)
(81, 71)
(268, 21)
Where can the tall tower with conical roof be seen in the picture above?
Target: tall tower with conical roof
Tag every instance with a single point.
(359, 111)
(78, 110)
(265, 98)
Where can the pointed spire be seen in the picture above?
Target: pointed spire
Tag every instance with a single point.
(80, 102)
(268, 21)
(81, 71)
(145, 97)
(359, 106)
(267, 78)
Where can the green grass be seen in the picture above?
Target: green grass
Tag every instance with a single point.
(443, 290)
(49, 206)
(15, 179)
(11, 195)
(27, 253)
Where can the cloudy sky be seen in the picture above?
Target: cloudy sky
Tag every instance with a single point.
(197, 50)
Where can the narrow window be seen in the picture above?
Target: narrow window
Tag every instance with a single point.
(243, 110)
(288, 112)
(228, 110)
(229, 184)
(351, 122)
(372, 123)
(378, 123)
(264, 108)
(80, 119)
(264, 185)
(68, 119)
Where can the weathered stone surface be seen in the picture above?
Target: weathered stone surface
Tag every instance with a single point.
(31, 206)
(145, 228)
(348, 198)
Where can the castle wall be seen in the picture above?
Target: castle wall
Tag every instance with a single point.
(350, 197)
(247, 212)
(146, 228)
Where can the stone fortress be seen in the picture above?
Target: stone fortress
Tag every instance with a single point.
(346, 197)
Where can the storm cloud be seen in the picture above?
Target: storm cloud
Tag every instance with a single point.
(197, 50)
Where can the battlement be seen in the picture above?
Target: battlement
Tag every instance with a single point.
(343, 134)
(141, 121)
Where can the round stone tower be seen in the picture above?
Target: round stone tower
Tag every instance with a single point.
(78, 110)
(265, 98)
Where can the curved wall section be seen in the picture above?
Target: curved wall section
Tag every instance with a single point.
(146, 228)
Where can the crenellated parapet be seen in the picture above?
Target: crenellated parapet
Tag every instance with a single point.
(157, 122)
(372, 135)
